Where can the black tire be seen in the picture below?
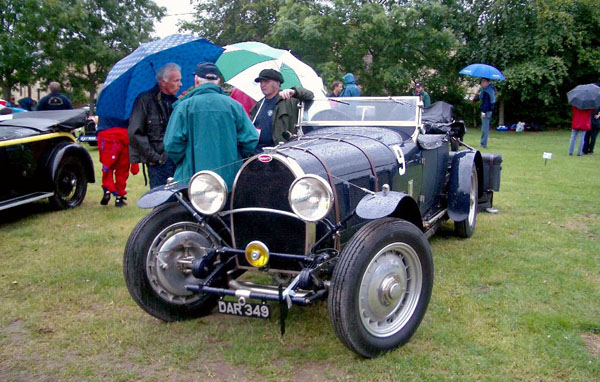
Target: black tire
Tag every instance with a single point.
(381, 286)
(466, 228)
(157, 239)
(70, 184)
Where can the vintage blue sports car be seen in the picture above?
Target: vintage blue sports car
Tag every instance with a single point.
(342, 211)
(39, 159)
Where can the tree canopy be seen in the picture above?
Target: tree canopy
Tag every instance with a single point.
(544, 47)
(74, 42)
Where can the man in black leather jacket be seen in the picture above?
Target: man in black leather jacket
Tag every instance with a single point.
(148, 123)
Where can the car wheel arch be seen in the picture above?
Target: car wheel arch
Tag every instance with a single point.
(462, 164)
(75, 150)
(408, 209)
(390, 204)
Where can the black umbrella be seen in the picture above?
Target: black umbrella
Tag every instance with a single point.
(585, 96)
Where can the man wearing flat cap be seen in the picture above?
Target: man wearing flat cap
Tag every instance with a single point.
(421, 93)
(209, 130)
(278, 111)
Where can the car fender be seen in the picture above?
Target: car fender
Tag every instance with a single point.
(390, 203)
(161, 195)
(459, 186)
(74, 150)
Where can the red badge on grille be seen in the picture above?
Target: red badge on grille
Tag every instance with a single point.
(265, 158)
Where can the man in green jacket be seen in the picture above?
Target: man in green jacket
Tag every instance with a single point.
(278, 111)
(208, 130)
(421, 93)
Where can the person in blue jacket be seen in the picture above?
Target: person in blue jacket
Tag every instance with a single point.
(487, 96)
(55, 100)
(350, 87)
(208, 130)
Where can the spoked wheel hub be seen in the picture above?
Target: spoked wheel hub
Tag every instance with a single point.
(390, 289)
(170, 257)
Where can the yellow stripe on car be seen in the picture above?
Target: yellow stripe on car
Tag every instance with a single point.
(36, 138)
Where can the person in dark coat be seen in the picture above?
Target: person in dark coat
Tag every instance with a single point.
(421, 93)
(487, 96)
(55, 100)
(336, 89)
(148, 123)
(592, 134)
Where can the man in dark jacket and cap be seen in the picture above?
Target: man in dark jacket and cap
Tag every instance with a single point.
(278, 111)
(148, 123)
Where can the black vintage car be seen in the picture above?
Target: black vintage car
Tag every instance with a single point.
(39, 159)
(343, 211)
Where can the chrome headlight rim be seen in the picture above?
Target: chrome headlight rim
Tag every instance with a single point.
(326, 187)
(221, 188)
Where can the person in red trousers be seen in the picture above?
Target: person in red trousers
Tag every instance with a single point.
(113, 147)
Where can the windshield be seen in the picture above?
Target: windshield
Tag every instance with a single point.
(364, 111)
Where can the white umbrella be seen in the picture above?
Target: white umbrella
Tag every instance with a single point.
(241, 63)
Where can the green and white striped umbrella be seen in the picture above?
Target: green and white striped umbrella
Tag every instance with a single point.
(241, 63)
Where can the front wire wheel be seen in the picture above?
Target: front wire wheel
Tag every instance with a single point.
(381, 286)
(156, 264)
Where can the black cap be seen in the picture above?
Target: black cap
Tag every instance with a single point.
(207, 70)
(269, 74)
(418, 85)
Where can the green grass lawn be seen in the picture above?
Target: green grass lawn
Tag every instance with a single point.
(519, 301)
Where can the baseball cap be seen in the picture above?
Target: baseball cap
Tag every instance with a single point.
(207, 70)
(418, 85)
(269, 74)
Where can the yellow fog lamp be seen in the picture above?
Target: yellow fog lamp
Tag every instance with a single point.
(257, 254)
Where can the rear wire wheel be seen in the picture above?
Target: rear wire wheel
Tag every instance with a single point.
(381, 286)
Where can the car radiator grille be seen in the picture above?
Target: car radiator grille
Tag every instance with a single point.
(266, 185)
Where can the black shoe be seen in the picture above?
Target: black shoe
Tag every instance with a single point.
(105, 198)
(120, 201)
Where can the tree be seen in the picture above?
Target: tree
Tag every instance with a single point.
(19, 51)
(544, 48)
(89, 36)
(229, 21)
(387, 44)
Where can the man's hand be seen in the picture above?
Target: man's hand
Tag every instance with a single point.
(287, 93)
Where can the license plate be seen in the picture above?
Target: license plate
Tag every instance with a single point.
(244, 310)
(87, 138)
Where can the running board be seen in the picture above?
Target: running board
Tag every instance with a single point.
(24, 199)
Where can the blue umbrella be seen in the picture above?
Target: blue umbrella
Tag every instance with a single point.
(483, 71)
(136, 73)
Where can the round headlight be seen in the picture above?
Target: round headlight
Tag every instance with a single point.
(207, 192)
(311, 198)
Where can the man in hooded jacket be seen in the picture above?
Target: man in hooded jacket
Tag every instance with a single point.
(208, 130)
(350, 87)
